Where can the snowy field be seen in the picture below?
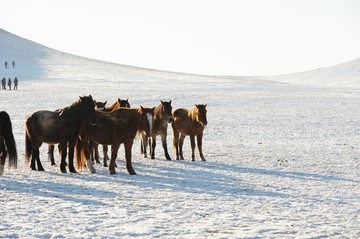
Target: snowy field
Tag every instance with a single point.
(283, 159)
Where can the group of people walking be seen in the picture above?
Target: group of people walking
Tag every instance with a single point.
(3, 83)
(9, 81)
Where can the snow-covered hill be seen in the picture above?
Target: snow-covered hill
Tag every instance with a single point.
(346, 74)
(282, 159)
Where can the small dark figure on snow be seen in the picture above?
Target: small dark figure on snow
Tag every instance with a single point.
(3, 83)
(15, 83)
(9, 83)
(6, 64)
(13, 64)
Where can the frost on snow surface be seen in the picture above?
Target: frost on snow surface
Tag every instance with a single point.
(283, 158)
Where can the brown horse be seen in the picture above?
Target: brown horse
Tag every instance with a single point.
(114, 128)
(162, 116)
(189, 122)
(57, 127)
(95, 152)
(7, 142)
(101, 106)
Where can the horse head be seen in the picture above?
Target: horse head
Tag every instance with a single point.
(100, 105)
(167, 109)
(146, 119)
(124, 103)
(88, 109)
(201, 111)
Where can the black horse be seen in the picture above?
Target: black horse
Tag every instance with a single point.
(7, 142)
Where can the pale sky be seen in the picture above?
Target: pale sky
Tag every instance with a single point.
(216, 37)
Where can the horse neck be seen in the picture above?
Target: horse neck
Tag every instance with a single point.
(193, 114)
(73, 111)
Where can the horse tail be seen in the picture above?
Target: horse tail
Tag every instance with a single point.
(175, 134)
(9, 139)
(28, 147)
(79, 155)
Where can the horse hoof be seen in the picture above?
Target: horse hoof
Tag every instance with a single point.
(63, 170)
(73, 171)
(112, 172)
(132, 172)
(41, 169)
(93, 171)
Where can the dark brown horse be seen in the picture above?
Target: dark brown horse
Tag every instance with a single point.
(95, 152)
(189, 122)
(101, 106)
(7, 142)
(162, 116)
(57, 127)
(114, 128)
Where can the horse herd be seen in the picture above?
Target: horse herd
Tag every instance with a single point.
(78, 129)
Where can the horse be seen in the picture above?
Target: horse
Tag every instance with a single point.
(116, 105)
(114, 128)
(7, 142)
(162, 116)
(101, 106)
(189, 122)
(57, 127)
(95, 152)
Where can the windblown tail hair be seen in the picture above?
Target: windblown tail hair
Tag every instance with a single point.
(79, 155)
(9, 139)
(28, 148)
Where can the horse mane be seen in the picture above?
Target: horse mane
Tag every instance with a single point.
(68, 109)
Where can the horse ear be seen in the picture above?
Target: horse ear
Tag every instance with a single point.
(161, 102)
(105, 102)
(197, 106)
(127, 100)
(170, 102)
(141, 108)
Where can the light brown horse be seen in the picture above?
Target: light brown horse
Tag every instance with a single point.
(114, 128)
(7, 142)
(57, 127)
(189, 122)
(101, 106)
(162, 116)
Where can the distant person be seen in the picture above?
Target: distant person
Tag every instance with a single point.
(15, 83)
(3, 83)
(6, 64)
(9, 83)
(13, 63)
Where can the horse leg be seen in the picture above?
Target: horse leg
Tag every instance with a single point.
(96, 152)
(36, 156)
(199, 143)
(192, 142)
(105, 152)
(86, 147)
(152, 146)
(51, 158)
(129, 166)
(181, 143)
(164, 144)
(71, 156)
(114, 151)
(63, 147)
(143, 146)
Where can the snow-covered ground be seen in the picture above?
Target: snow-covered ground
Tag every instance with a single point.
(283, 160)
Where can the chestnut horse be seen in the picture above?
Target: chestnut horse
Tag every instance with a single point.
(189, 122)
(101, 106)
(114, 128)
(7, 142)
(57, 127)
(162, 116)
